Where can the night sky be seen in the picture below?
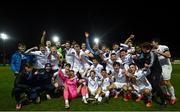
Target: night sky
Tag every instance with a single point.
(25, 23)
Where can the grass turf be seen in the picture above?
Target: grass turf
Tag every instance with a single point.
(57, 104)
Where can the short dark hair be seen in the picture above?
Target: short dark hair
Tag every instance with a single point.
(48, 65)
(123, 50)
(146, 45)
(116, 63)
(113, 54)
(103, 70)
(41, 45)
(68, 64)
(71, 71)
(93, 71)
(21, 44)
(132, 64)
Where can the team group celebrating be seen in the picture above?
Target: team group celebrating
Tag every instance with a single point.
(96, 74)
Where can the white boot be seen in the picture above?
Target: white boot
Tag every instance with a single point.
(48, 96)
(67, 104)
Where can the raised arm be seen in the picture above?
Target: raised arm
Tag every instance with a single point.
(61, 75)
(43, 38)
(87, 42)
(128, 39)
(31, 49)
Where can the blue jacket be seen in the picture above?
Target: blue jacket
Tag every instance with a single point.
(17, 61)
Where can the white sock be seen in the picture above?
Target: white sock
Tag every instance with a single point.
(96, 97)
(107, 94)
(87, 95)
(171, 90)
(66, 102)
(99, 99)
(84, 97)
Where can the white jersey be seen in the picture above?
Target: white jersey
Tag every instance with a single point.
(54, 61)
(127, 60)
(163, 60)
(69, 55)
(120, 76)
(48, 49)
(141, 80)
(41, 59)
(105, 83)
(85, 59)
(77, 64)
(97, 69)
(126, 47)
(109, 64)
(93, 83)
(116, 52)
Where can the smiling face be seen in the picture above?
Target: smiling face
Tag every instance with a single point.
(42, 49)
(104, 73)
(77, 48)
(83, 46)
(67, 45)
(48, 44)
(132, 68)
(113, 57)
(123, 53)
(53, 50)
(116, 67)
(71, 74)
(92, 73)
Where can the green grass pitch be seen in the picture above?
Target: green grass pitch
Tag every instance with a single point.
(57, 104)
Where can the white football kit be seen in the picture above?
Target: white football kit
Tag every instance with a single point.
(165, 63)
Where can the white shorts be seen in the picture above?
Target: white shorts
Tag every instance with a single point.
(119, 85)
(140, 89)
(92, 91)
(104, 89)
(166, 72)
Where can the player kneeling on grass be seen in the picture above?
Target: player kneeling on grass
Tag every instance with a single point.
(105, 84)
(44, 80)
(93, 86)
(24, 83)
(140, 84)
(120, 80)
(70, 87)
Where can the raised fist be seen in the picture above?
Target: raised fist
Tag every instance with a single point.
(44, 32)
(86, 34)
